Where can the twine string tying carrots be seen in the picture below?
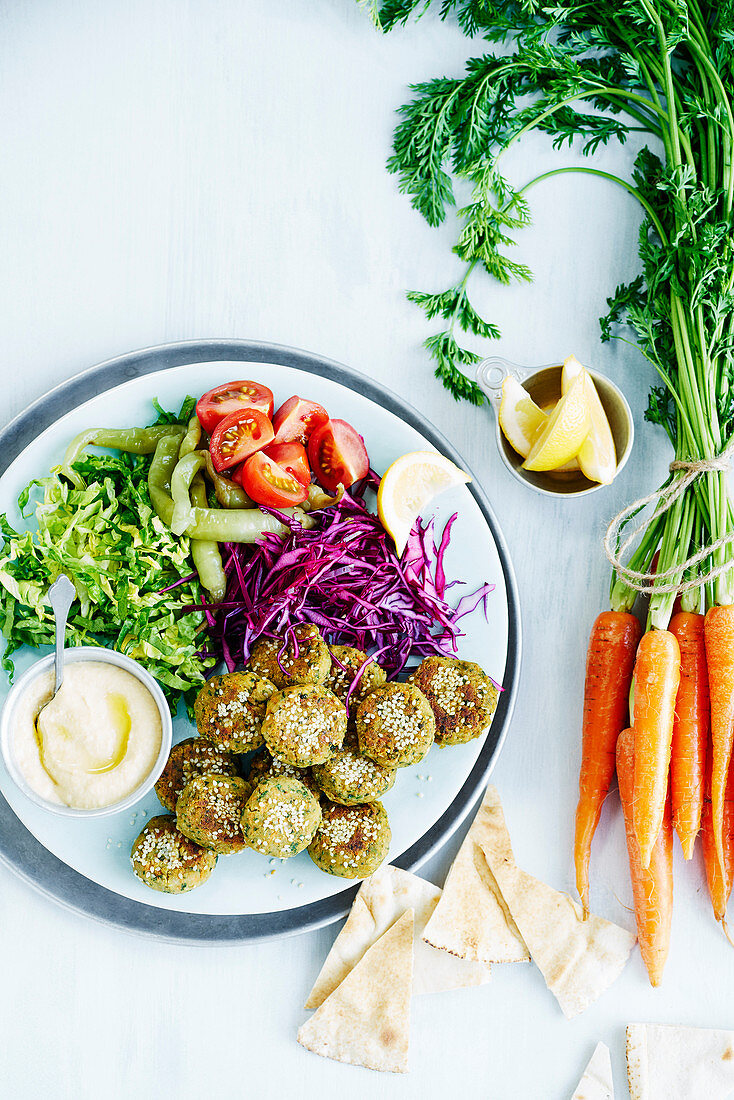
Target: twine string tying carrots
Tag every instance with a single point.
(684, 474)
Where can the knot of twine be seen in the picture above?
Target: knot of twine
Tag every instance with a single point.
(684, 474)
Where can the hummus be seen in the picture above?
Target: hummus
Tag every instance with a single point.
(94, 743)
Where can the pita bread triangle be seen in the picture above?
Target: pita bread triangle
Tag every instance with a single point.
(366, 1020)
(472, 920)
(597, 1082)
(578, 958)
(381, 900)
(679, 1063)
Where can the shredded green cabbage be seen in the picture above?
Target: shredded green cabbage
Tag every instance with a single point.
(121, 558)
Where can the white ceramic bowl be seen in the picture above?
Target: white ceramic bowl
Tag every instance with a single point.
(74, 654)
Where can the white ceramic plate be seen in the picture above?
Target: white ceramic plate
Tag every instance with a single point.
(250, 895)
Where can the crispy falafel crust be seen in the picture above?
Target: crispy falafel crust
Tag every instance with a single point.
(189, 758)
(229, 710)
(281, 817)
(304, 725)
(395, 725)
(167, 861)
(352, 841)
(265, 766)
(346, 661)
(286, 665)
(461, 695)
(349, 777)
(209, 812)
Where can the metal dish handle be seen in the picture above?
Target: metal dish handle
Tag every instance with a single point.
(491, 375)
(492, 372)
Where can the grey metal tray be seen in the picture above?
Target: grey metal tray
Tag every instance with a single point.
(20, 851)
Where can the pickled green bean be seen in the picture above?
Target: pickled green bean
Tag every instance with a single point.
(211, 524)
(138, 441)
(205, 552)
(183, 474)
(318, 498)
(190, 441)
(161, 470)
(228, 493)
(240, 524)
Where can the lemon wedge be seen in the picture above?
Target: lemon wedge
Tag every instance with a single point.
(597, 456)
(409, 485)
(566, 429)
(520, 418)
(571, 467)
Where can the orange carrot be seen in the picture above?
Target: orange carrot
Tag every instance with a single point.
(719, 634)
(719, 885)
(609, 662)
(657, 675)
(652, 887)
(690, 729)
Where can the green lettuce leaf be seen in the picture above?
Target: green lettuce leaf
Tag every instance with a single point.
(120, 556)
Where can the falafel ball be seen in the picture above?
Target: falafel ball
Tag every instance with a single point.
(229, 710)
(209, 812)
(461, 695)
(304, 725)
(264, 766)
(281, 817)
(189, 758)
(346, 661)
(351, 841)
(166, 860)
(395, 725)
(349, 777)
(301, 657)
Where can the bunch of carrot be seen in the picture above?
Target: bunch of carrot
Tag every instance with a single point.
(673, 763)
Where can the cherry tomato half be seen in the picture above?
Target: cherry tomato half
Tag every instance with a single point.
(296, 419)
(268, 483)
(337, 455)
(238, 436)
(293, 458)
(232, 397)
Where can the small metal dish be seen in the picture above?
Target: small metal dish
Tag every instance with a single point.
(71, 655)
(544, 386)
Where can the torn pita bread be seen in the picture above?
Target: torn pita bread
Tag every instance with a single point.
(366, 1020)
(381, 900)
(597, 1082)
(679, 1063)
(472, 920)
(578, 958)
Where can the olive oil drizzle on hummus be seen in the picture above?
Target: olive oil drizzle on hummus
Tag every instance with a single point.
(120, 716)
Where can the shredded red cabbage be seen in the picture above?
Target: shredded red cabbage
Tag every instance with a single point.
(344, 576)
